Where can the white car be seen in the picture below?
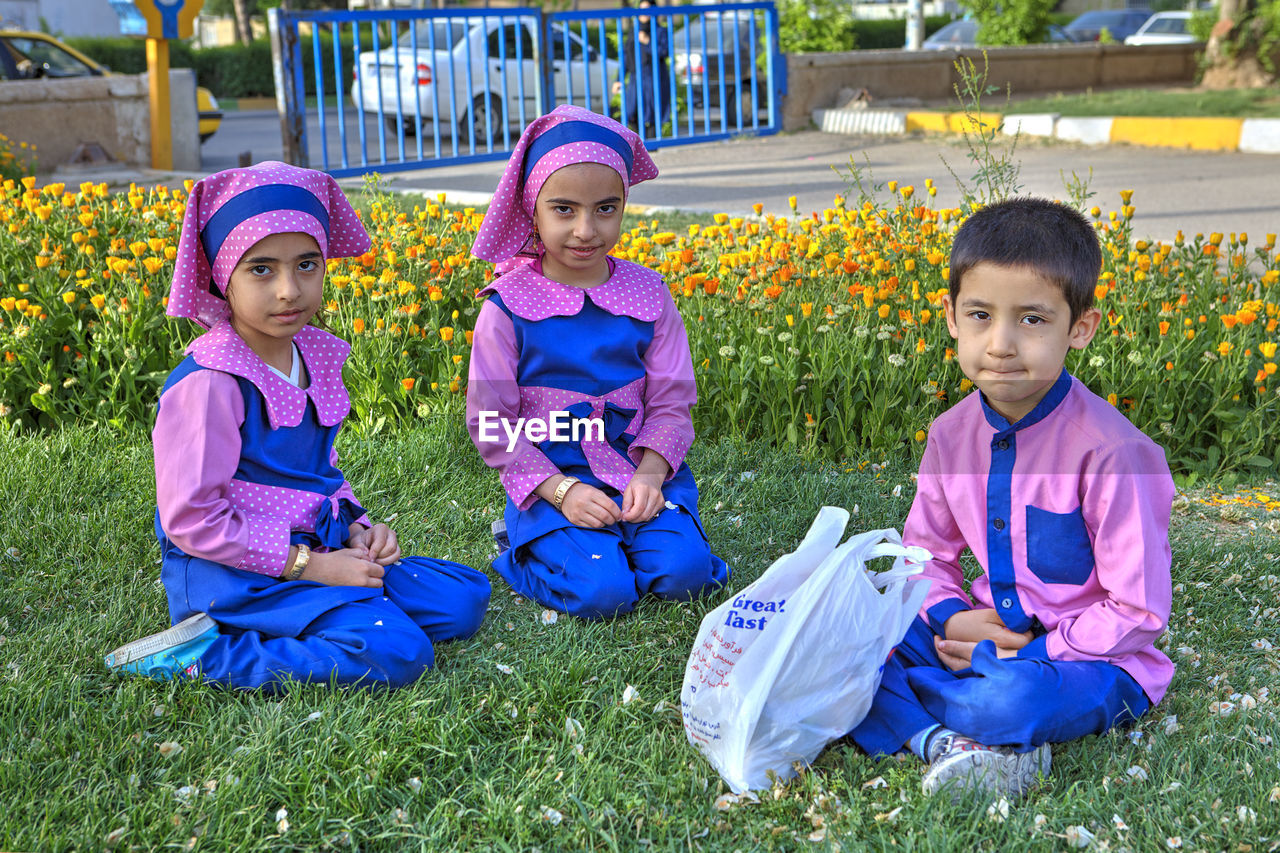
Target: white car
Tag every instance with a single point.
(476, 72)
(1164, 28)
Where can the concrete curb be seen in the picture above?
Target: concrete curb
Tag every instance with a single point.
(1253, 135)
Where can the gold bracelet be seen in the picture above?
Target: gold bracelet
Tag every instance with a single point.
(299, 563)
(566, 484)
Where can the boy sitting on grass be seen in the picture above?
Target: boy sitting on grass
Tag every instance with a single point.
(1065, 505)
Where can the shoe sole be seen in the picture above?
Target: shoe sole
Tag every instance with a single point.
(998, 773)
(184, 632)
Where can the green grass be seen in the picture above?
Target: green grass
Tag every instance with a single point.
(468, 757)
(1230, 103)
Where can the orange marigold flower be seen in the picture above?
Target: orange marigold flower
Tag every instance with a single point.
(1225, 348)
(1164, 327)
(1168, 365)
(883, 311)
(1113, 399)
(773, 291)
(1229, 320)
(446, 333)
(357, 326)
(407, 384)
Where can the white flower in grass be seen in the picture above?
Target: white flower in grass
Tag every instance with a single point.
(724, 802)
(1137, 773)
(629, 695)
(897, 491)
(897, 359)
(1173, 842)
(1244, 814)
(861, 331)
(1078, 836)
(415, 784)
(783, 337)
(1222, 709)
(1097, 361)
(282, 821)
(999, 810)
(573, 728)
(1119, 824)
(550, 815)
(504, 669)
(766, 360)
(400, 816)
(185, 793)
(1038, 822)
(1248, 703)
(1262, 645)
(314, 715)
(549, 617)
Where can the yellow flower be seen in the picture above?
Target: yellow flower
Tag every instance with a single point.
(1225, 348)
(446, 333)
(69, 297)
(1268, 349)
(7, 303)
(1113, 399)
(98, 300)
(921, 435)
(357, 326)
(1126, 196)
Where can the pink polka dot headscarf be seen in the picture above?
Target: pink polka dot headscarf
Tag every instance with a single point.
(563, 137)
(227, 213)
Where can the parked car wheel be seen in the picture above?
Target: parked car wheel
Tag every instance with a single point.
(482, 120)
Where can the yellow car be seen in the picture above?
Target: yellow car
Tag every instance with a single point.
(30, 56)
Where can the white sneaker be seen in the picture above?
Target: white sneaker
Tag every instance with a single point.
(966, 766)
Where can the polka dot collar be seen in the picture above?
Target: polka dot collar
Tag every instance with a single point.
(221, 348)
(632, 291)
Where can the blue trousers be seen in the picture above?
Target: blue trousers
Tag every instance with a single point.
(1017, 702)
(271, 631)
(599, 573)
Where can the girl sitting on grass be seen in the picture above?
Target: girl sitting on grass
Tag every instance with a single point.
(273, 569)
(581, 383)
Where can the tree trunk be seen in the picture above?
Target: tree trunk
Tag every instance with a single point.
(244, 23)
(1231, 56)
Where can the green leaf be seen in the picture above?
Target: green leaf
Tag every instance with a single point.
(1258, 462)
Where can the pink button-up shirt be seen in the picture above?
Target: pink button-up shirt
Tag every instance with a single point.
(1067, 512)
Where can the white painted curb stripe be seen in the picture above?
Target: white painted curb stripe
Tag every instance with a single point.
(1260, 135)
(860, 121)
(1029, 124)
(1092, 131)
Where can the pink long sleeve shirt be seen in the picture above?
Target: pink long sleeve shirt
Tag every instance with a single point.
(244, 459)
(1067, 511)
(519, 370)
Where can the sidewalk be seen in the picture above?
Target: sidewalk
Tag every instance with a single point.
(1251, 135)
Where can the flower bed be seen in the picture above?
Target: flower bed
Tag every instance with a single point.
(822, 331)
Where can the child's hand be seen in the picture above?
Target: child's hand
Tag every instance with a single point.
(587, 506)
(967, 628)
(379, 543)
(643, 498)
(347, 567)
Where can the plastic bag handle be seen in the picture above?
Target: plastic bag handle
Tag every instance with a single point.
(915, 555)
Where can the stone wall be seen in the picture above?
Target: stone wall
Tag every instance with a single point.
(814, 80)
(113, 111)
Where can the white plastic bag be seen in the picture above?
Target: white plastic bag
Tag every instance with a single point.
(791, 662)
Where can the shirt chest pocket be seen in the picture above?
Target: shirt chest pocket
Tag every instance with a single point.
(1058, 546)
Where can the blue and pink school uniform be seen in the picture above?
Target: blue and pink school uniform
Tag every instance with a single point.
(246, 468)
(1067, 512)
(615, 354)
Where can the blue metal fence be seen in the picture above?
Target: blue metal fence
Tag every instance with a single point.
(385, 91)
